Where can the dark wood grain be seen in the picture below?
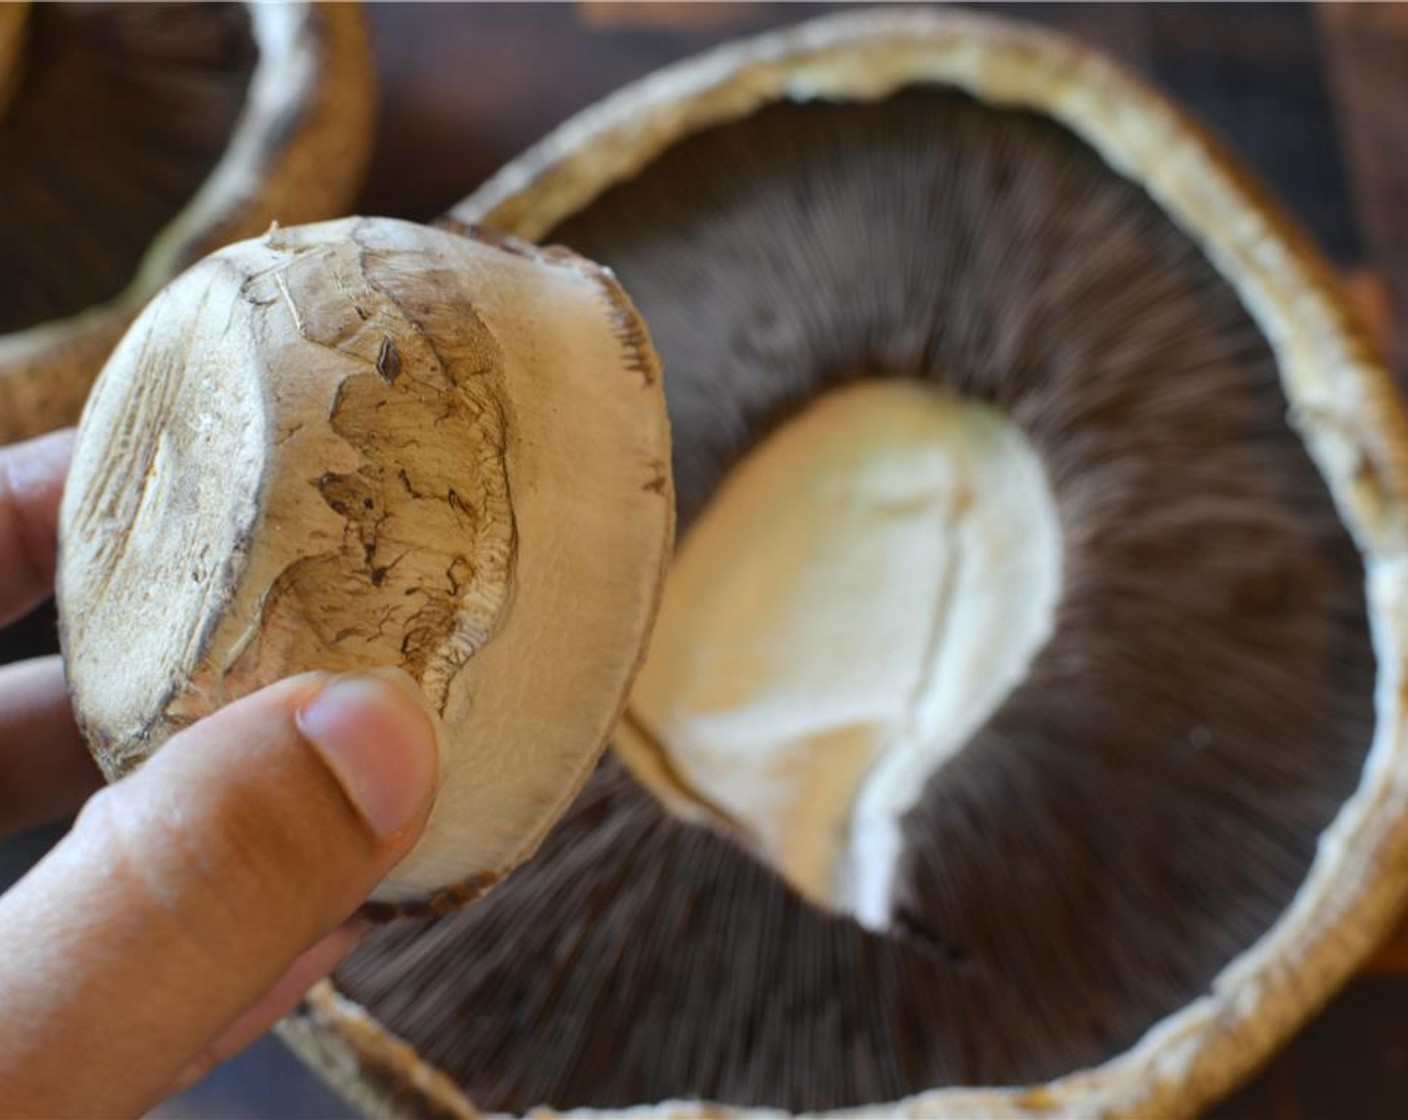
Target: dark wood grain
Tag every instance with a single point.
(1351, 1063)
(1256, 74)
(464, 89)
(1367, 49)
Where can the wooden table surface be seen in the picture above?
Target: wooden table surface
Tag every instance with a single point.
(1315, 98)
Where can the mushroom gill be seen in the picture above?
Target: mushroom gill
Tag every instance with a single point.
(135, 139)
(117, 115)
(1128, 818)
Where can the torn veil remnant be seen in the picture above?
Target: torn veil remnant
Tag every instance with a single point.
(134, 138)
(938, 293)
(369, 443)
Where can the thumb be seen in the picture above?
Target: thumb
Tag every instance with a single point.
(185, 891)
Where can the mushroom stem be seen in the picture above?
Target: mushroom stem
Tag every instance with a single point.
(364, 444)
(865, 590)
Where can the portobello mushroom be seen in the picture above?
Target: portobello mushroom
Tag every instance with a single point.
(1023, 731)
(136, 138)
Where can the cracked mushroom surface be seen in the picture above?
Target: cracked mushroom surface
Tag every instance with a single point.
(134, 138)
(368, 443)
(1020, 729)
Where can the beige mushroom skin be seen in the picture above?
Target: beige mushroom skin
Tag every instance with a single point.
(368, 443)
(297, 154)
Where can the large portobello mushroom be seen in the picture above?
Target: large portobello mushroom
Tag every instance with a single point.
(1023, 729)
(136, 138)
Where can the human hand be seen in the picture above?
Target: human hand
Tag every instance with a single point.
(195, 900)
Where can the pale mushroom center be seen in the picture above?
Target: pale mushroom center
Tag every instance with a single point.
(859, 597)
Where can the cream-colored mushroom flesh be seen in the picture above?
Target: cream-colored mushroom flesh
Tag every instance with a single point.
(1015, 661)
(370, 443)
(863, 591)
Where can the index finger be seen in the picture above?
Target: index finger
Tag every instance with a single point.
(31, 483)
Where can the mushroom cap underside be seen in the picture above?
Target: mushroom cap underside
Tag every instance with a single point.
(1168, 841)
(135, 138)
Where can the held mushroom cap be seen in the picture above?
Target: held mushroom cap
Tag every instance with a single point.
(1022, 731)
(135, 138)
(368, 443)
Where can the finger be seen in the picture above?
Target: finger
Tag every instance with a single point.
(31, 483)
(306, 971)
(46, 771)
(185, 891)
